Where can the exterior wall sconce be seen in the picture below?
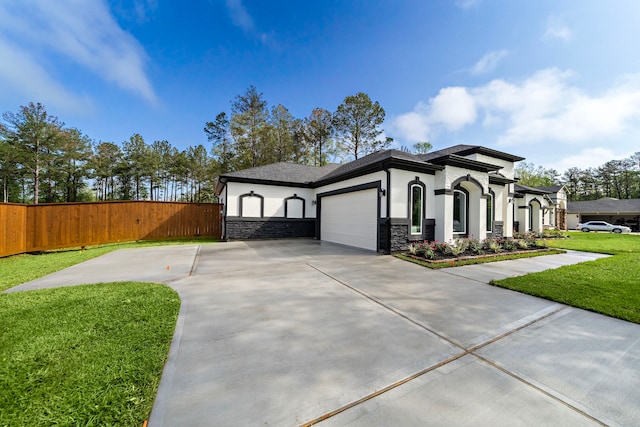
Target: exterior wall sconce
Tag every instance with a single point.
(383, 192)
(251, 193)
(314, 202)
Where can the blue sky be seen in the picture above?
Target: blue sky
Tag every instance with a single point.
(557, 82)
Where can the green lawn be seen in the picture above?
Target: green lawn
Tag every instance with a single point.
(84, 355)
(609, 286)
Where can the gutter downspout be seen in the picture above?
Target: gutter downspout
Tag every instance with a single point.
(388, 218)
(224, 218)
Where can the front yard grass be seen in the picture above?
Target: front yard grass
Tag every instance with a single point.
(610, 286)
(84, 355)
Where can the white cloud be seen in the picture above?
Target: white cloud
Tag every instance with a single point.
(453, 108)
(489, 62)
(557, 29)
(412, 126)
(25, 75)
(467, 4)
(545, 107)
(587, 158)
(243, 20)
(240, 16)
(89, 36)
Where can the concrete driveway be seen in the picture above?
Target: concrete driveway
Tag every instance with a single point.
(300, 332)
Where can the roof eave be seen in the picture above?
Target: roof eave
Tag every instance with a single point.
(389, 163)
(275, 182)
(463, 162)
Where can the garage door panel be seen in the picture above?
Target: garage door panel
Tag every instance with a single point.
(351, 219)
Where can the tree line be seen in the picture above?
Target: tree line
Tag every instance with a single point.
(44, 161)
(618, 179)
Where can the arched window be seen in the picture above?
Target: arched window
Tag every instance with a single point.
(490, 211)
(459, 212)
(416, 209)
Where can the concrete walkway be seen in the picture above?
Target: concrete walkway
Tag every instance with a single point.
(300, 332)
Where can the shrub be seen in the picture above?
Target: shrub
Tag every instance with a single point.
(522, 243)
(492, 244)
(459, 247)
(509, 244)
(475, 246)
(440, 247)
(413, 248)
(429, 252)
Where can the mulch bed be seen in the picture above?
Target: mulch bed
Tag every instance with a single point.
(440, 259)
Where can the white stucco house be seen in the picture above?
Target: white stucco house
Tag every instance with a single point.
(384, 200)
(539, 208)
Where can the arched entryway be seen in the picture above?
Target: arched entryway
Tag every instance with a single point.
(535, 215)
(469, 208)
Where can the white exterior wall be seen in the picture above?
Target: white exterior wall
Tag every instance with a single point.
(508, 167)
(562, 199)
(445, 178)
(273, 199)
(476, 225)
(572, 221)
(503, 209)
(523, 214)
(444, 217)
(400, 180)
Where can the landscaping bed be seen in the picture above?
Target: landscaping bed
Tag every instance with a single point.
(483, 256)
(489, 249)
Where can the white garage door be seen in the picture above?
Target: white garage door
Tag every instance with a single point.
(351, 219)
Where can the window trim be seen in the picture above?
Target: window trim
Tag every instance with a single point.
(411, 209)
(465, 218)
(491, 216)
(250, 194)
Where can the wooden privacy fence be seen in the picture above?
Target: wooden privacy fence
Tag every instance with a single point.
(28, 228)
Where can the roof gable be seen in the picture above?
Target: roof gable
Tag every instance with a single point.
(465, 150)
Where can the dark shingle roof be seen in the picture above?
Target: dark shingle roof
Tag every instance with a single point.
(465, 150)
(605, 205)
(371, 159)
(445, 152)
(551, 188)
(284, 172)
(304, 175)
(519, 188)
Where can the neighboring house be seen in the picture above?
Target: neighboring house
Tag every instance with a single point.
(552, 203)
(384, 200)
(532, 207)
(557, 216)
(614, 211)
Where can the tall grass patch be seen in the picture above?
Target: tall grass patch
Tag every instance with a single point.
(84, 355)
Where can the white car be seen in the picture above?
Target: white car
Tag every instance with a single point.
(602, 226)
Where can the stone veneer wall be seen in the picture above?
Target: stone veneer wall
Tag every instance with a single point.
(383, 234)
(498, 229)
(400, 234)
(269, 228)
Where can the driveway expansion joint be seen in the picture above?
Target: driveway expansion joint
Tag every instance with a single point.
(465, 351)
